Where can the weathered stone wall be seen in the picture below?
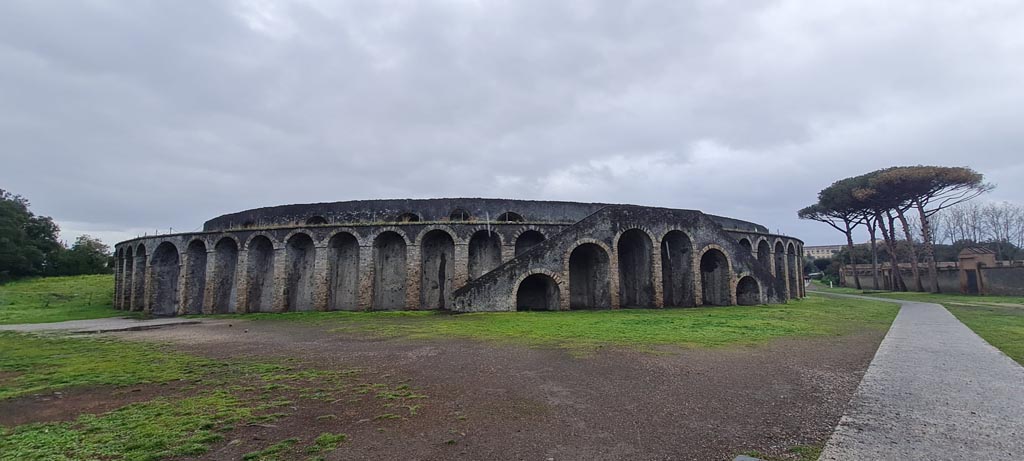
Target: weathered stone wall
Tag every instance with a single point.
(627, 256)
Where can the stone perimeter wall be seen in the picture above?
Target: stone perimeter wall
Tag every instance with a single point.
(631, 257)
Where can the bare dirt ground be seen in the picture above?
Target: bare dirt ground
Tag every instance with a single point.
(499, 401)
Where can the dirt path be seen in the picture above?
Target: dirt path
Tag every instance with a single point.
(489, 401)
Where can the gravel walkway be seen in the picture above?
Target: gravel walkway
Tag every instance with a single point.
(935, 391)
(99, 325)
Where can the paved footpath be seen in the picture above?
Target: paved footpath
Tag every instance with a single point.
(99, 325)
(934, 391)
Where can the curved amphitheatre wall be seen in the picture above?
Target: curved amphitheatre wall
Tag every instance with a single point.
(457, 254)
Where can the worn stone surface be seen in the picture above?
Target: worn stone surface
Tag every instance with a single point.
(456, 254)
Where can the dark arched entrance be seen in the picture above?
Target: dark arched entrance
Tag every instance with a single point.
(588, 278)
(537, 292)
(714, 278)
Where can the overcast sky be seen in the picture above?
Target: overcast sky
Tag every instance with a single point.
(118, 118)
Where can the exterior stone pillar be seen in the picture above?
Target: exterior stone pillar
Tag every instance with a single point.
(659, 288)
(242, 282)
(461, 269)
(412, 277)
(126, 287)
(613, 278)
(280, 301)
(148, 292)
(184, 263)
(321, 278)
(212, 276)
(695, 282)
(366, 274)
(507, 253)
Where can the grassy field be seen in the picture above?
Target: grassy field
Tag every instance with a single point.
(207, 400)
(55, 299)
(997, 319)
(643, 328)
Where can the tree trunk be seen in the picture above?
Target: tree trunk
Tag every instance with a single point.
(897, 275)
(913, 250)
(872, 227)
(929, 249)
(853, 262)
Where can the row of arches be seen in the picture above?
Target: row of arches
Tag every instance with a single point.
(299, 258)
(589, 269)
(292, 276)
(456, 215)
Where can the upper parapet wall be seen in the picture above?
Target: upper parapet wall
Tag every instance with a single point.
(428, 210)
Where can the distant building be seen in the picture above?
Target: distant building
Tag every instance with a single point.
(822, 251)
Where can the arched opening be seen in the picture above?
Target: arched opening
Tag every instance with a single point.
(676, 269)
(588, 278)
(458, 214)
(537, 292)
(166, 270)
(261, 274)
(316, 221)
(484, 253)
(139, 279)
(225, 278)
(528, 239)
(764, 254)
(126, 290)
(437, 254)
(343, 261)
(408, 217)
(636, 284)
(714, 278)
(195, 277)
(746, 245)
(780, 265)
(300, 254)
(794, 272)
(510, 216)
(389, 271)
(748, 292)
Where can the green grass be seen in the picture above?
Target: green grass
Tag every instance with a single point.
(588, 330)
(997, 319)
(55, 299)
(157, 429)
(42, 363)
(205, 400)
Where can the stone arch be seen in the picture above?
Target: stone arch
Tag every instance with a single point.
(166, 269)
(780, 264)
(794, 273)
(459, 214)
(138, 301)
(225, 277)
(764, 254)
(715, 277)
(437, 262)
(300, 257)
(195, 276)
(484, 252)
(343, 271)
(748, 291)
(589, 277)
(438, 227)
(510, 216)
(408, 217)
(261, 273)
(636, 279)
(528, 239)
(316, 221)
(745, 243)
(676, 269)
(538, 291)
(389, 271)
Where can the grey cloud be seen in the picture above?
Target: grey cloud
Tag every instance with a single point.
(121, 116)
